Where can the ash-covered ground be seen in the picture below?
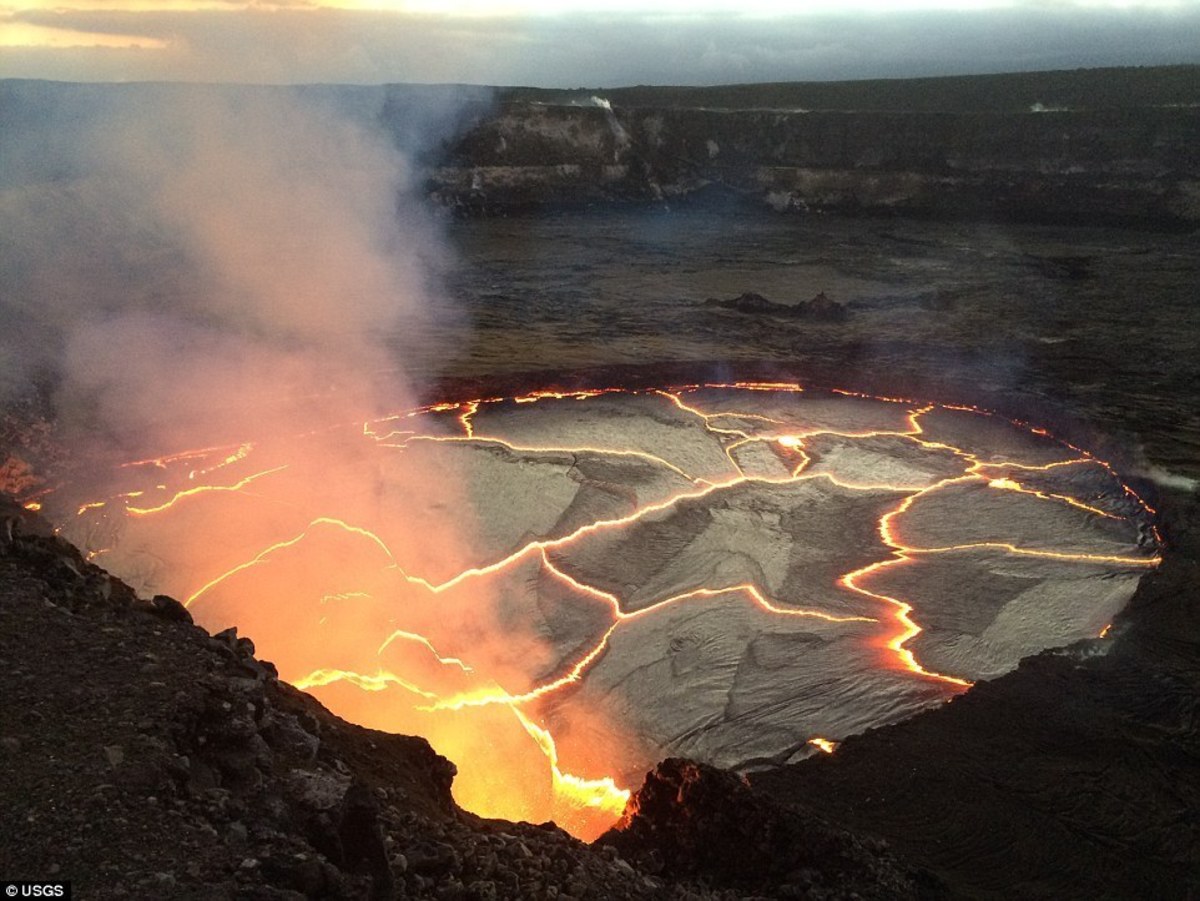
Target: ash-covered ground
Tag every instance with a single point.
(1093, 325)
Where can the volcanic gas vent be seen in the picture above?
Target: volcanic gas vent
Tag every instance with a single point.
(559, 590)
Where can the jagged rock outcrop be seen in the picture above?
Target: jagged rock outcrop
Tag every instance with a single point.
(821, 308)
(692, 820)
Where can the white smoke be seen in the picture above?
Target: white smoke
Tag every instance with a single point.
(1167, 479)
(239, 268)
(218, 260)
(619, 134)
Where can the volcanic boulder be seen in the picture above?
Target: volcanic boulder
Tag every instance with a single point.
(693, 821)
(821, 307)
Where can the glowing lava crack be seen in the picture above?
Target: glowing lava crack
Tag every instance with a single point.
(558, 590)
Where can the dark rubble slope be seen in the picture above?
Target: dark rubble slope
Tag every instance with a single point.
(141, 757)
(690, 820)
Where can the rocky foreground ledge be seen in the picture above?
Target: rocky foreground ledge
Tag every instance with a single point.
(145, 758)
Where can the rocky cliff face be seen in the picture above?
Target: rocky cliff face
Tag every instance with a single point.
(1102, 146)
(1132, 165)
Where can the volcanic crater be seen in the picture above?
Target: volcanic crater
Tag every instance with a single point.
(589, 581)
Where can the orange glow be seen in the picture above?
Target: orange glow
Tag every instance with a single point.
(192, 492)
(237, 456)
(535, 396)
(394, 642)
(761, 386)
(379, 681)
(471, 438)
(422, 640)
(907, 629)
(167, 459)
(1010, 485)
(268, 551)
(601, 794)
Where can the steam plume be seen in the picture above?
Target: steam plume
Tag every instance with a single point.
(246, 269)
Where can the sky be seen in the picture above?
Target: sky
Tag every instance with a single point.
(593, 43)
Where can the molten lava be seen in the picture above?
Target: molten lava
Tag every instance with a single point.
(411, 589)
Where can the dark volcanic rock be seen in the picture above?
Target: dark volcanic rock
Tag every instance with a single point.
(689, 819)
(820, 308)
(748, 303)
(1119, 165)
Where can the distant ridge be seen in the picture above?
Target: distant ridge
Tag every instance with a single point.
(1110, 88)
(1076, 89)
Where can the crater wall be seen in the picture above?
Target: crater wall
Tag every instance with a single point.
(1131, 165)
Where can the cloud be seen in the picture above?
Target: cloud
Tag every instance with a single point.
(23, 34)
(599, 49)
